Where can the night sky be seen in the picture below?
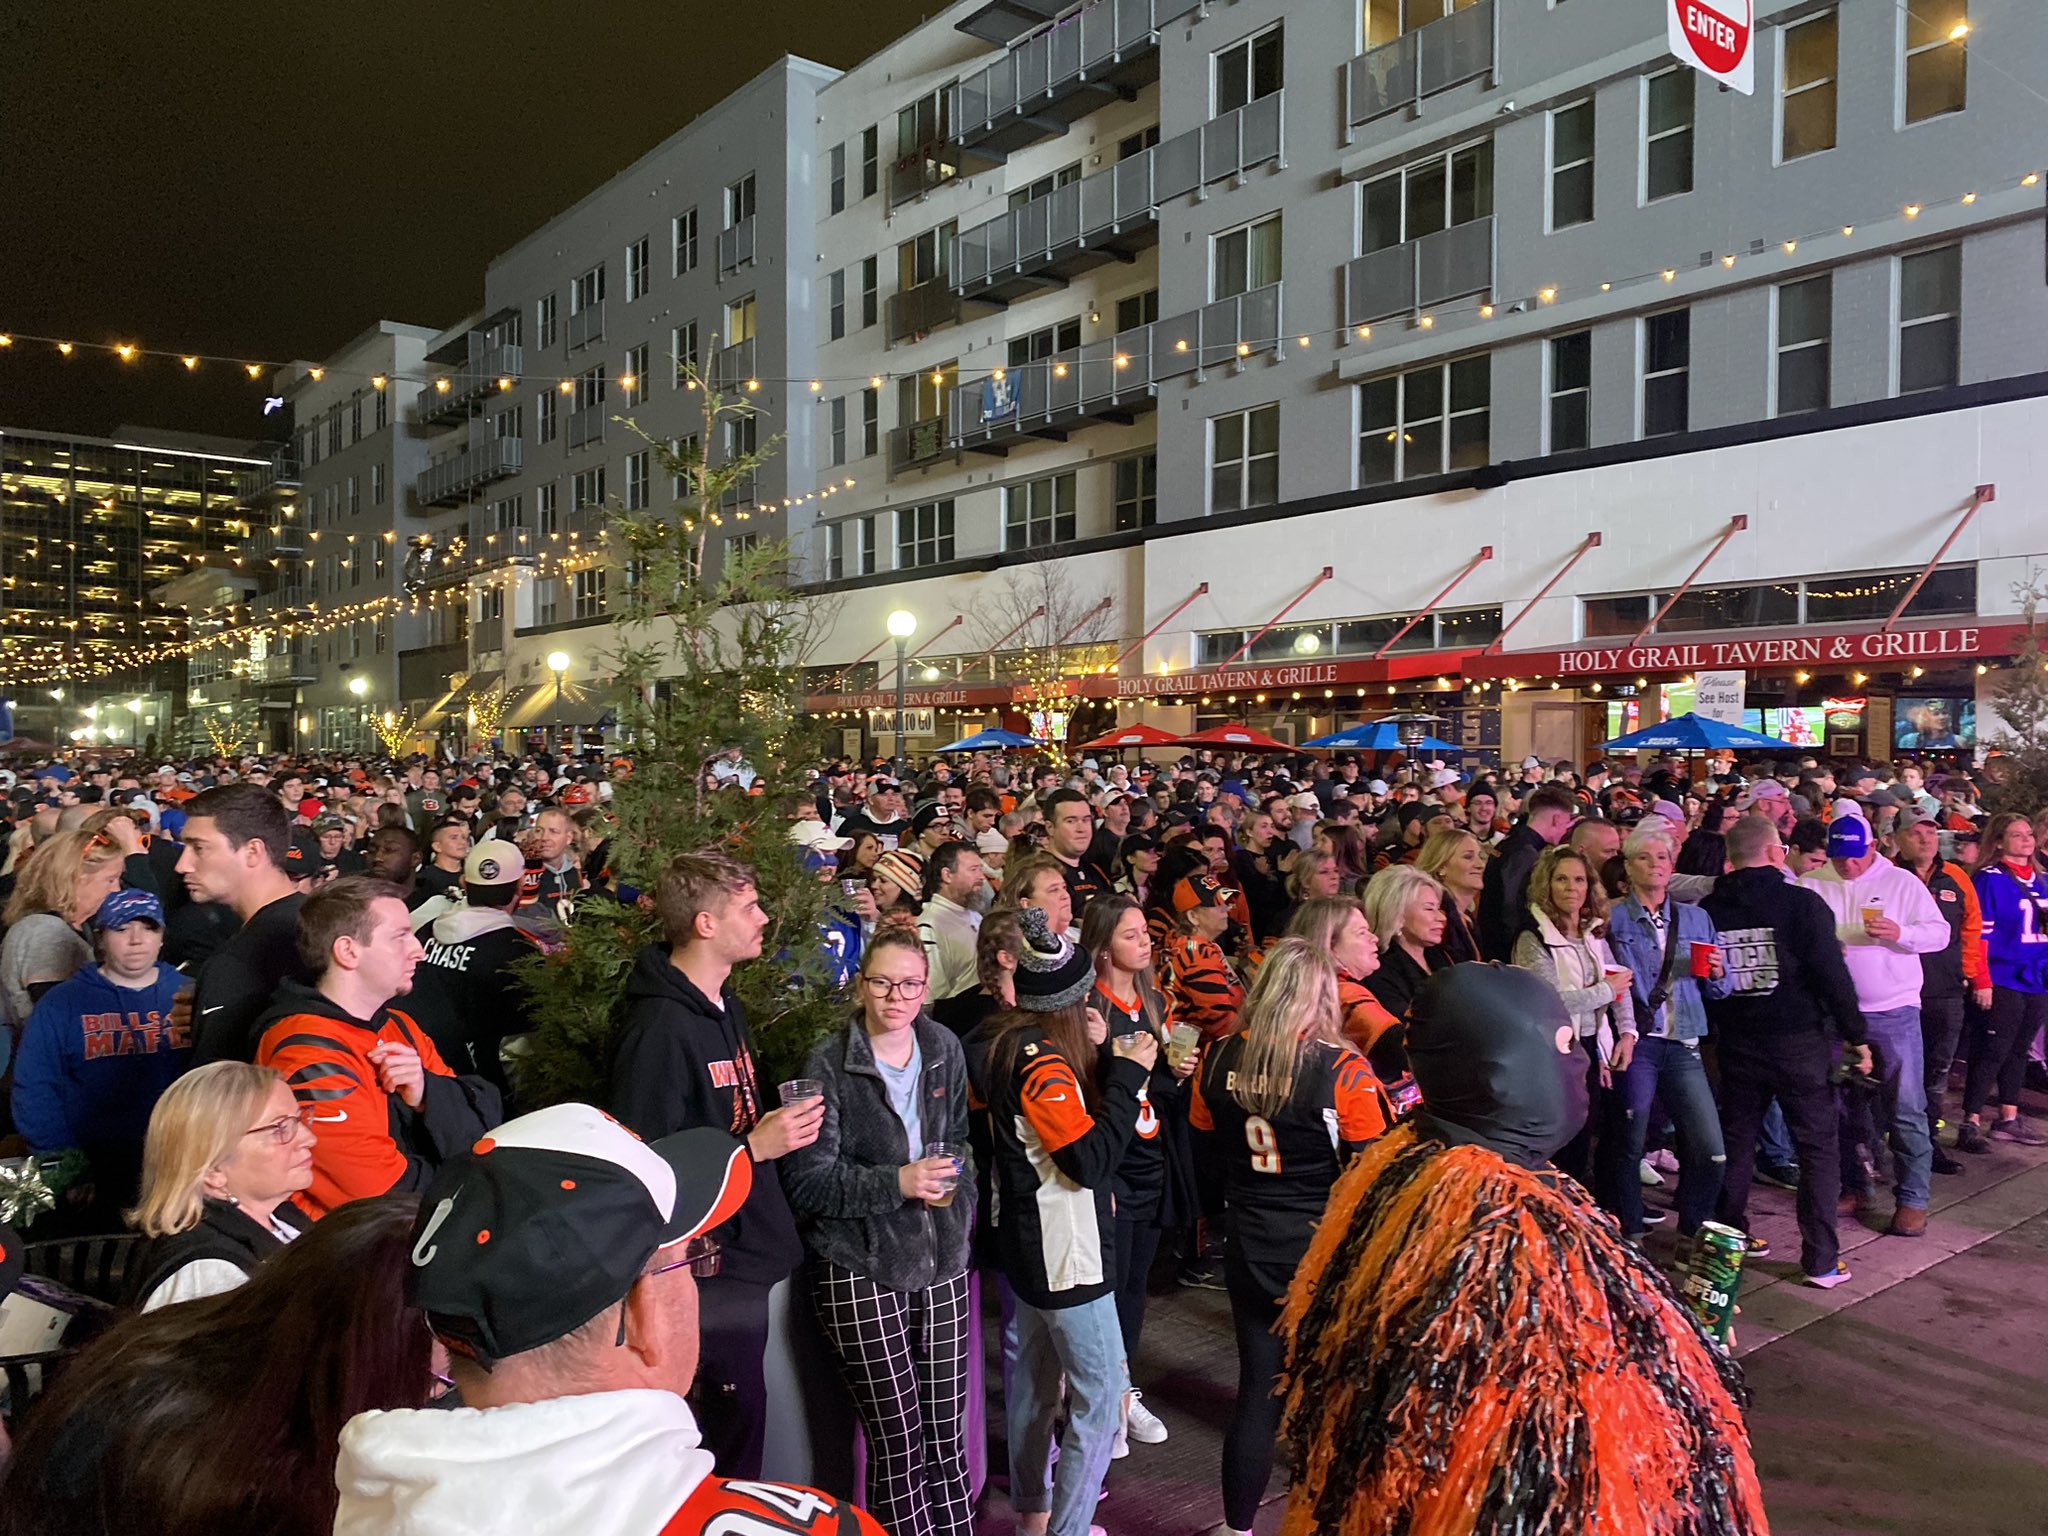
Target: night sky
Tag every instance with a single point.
(264, 181)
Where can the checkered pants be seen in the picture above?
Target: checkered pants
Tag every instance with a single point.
(904, 1357)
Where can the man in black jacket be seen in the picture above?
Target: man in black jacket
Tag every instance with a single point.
(1503, 900)
(684, 1060)
(1787, 983)
(236, 839)
(464, 994)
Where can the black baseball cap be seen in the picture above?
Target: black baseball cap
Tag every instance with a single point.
(552, 1217)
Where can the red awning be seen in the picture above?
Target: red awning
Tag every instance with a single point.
(1868, 647)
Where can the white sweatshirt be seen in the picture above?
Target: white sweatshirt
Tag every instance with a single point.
(605, 1464)
(1887, 974)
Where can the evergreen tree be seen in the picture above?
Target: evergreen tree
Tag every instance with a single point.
(702, 668)
(2017, 779)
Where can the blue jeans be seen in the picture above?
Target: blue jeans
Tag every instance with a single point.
(1774, 1139)
(1670, 1071)
(1900, 1112)
(1087, 1344)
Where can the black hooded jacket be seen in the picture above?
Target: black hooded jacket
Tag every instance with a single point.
(684, 1060)
(1786, 974)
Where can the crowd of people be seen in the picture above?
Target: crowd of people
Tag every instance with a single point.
(1104, 1023)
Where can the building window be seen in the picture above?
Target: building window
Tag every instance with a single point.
(633, 385)
(355, 494)
(850, 548)
(636, 481)
(1243, 259)
(1039, 345)
(1246, 71)
(1806, 87)
(545, 524)
(689, 453)
(1452, 188)
(509, 423)
(1667, 367)
(682, 343)
(1930, 318)
(544, 416)
(836, 436)
(547, 600)
(586, 594)
(1039, 513)
(1244, 459)
(1571, 165)
(355, 418)
(636, 269)
(589, 388)
(870, 282)
(1571, 391)
(1137, 309)
(377, 635)
(544, 321)
(835, 305)
(870, 161)
(742, 437)
(1387, 21)
(1045, 186)
(927, 258)
(587, 489)
(383, 414)
(490, 609)
(739, 201)
(683, 231)
(1427, 421)
(1137, 492)
(1137, 143)
(355, 565)
(739, 320)
(836, 186)
(376, 485)
(1805, 324)
(334, 431)
(928, 120)
(587, 292)
(377, 570)
(870, 422)
(924, 535)
(1935, 57)
(1667, 133)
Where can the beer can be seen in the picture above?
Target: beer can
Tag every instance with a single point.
(1713, 1277)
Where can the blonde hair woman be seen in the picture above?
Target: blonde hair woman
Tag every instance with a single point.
(227, 1147)
(1458, 861)
(1406, 910)
(62, 884)
(1287, 1103)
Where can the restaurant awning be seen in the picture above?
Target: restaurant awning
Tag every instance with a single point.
(1865, 648)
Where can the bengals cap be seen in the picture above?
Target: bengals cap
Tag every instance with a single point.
(494, 861)
(552, 1217)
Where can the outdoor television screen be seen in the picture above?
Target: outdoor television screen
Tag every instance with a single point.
(1934, 725)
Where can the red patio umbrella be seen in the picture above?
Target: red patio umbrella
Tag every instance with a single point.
(1132, 736)
(1233, 736)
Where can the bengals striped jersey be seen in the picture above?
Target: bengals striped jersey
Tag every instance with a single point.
(1278, 1169)
(1055, 1159)
(1201, 988)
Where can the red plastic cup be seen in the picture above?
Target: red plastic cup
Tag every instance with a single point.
(1703, 960)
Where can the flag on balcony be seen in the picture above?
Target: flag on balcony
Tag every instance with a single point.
(998, 399)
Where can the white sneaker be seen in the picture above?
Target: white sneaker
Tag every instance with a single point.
(1141, 1422)
(1120, 1447)
(1651, 1178)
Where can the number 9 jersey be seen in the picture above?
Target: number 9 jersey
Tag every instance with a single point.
(1278, 1168)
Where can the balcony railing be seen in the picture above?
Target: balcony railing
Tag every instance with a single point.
(1454, 263)
(586, 325)
(280, 474)
(921, 310)
(1113, 379)
(450, 480)
(919, 443)
(587, 425)
(999, 21)
(925, 168)
(1061, 74)
(500, 529)
(287, 666)
(1418, 64)
(1113, 212)
(732, 366)
(476, 380)
(736, 247)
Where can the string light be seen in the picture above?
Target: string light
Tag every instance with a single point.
(125, 351)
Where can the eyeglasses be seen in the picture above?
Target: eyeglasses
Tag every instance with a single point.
(281, 1131)
(701, 1256)
(885, 987)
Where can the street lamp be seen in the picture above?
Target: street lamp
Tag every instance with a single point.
(902, 625)
(558, 663)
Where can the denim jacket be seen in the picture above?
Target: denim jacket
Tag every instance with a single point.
(1637, 945)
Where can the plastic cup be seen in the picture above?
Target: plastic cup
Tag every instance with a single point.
(1612, 973)
(1181, 1041)
(958, 1154)
(1703, 960)
(798, 1089)
(1872, 911)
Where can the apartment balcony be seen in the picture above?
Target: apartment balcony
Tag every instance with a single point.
(280, 474)
(1459, 47)
(1059, 75)
(496, 531)
(1112, 214)
(921, 443)
(921, 310)
(732, 366)
(586, 326)
(923, 170)
(449, 481)
(736, 247)
(286, 666)
(1454, 263)
(1112, 380)
(586, 426)
(449, 399)
(1001, 21)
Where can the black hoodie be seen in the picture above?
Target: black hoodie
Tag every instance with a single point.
(685, 1061)
(1786, 974)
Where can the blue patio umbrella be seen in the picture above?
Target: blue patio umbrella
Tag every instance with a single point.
(1696, 733)
(991, 741)
(1377, 736)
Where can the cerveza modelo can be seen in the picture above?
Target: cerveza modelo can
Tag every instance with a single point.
(1713, 1277)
